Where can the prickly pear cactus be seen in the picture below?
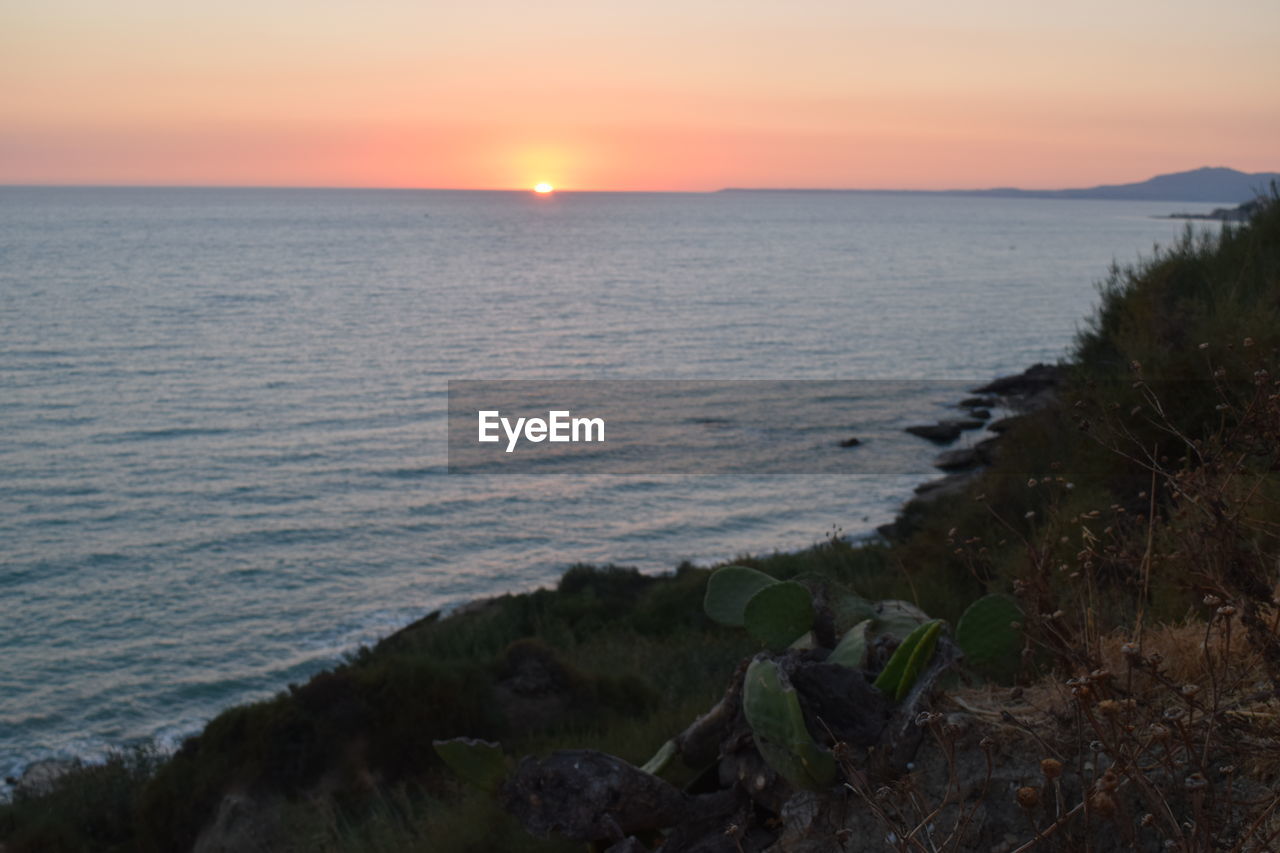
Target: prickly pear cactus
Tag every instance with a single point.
(661, 759)
(908, 660)
(804, 642)
(897, 618)
(987, 637)
(848, 610)
(479, 762)
(778, 614)
(851, 651)
(775, 613)
(728, 591)
(772, 707)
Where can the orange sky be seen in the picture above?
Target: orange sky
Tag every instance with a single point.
(659, 95)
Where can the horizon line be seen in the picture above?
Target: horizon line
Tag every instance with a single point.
(528, 190)
(558, 190)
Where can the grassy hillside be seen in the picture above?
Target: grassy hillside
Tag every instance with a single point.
(1144, 497)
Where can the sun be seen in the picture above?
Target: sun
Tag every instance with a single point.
(544, 189)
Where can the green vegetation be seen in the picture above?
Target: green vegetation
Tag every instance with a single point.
(1144, 497)
(476, 761)
(909, 660)
(986, 633)
(772, 707)
(786, 614)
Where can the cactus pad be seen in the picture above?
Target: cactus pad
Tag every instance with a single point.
(728, 591)
(908, 660)
(986, 634)
(772, 707)
(851, 651)
(897, 618)
(777, 615)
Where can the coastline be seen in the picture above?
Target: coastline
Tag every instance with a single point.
(610, 665)
(275, 541)
(1018, 392)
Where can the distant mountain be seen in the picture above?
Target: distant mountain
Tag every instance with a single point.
(1209, 183)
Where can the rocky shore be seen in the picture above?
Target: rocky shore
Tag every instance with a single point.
(1239, 213)
(1019, 394)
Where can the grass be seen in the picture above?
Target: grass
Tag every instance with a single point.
(1113, 516)
(91, 807)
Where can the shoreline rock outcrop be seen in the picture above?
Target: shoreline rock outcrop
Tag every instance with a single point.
(1021, 393)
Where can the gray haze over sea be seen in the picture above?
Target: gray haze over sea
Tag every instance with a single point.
(222, 412)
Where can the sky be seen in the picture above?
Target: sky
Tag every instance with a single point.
(685, 95)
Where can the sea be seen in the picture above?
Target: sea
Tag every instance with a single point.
(223, 412)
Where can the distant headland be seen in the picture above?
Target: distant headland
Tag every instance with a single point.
(1206, 184)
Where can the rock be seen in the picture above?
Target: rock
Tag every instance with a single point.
(938, 433)
(840, 701)
(948, 485)
(987, 450)
(851, 442)
(958, 460)
(1004, 424)
(980, 414)
(944, 432)
(1041, 399)
(952, 483)
(977, 402)
(1033, 380)
(586, 795)
(914, 512)
(719, 831)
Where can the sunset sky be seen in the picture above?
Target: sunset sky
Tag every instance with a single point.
(654, 95)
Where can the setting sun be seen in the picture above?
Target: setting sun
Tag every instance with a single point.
(543, 189)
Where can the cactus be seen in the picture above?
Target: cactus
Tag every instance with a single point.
(986, 634)
(661, 758)
(779, 614)
(897, 618)
(908, 660)
(804, 642)
(479, 762)
(772, 707)
(848, 610)
(773, 612)
(851, 651)
(728, 591)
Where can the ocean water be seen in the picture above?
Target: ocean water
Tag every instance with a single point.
(223, 412)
